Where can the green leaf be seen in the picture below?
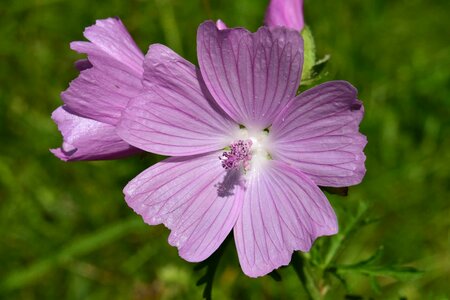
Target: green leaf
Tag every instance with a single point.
(320, 65)
(309, 59)
(375, 285)
(342, 280)
(311, 68)
(369, 267)
(397, 272)
(369, 261)
(315, 71)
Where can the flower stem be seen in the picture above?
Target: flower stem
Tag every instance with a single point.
(303, 270)
(339, 239)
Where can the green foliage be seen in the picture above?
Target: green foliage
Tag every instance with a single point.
(309, 58)
(67, 233)
(78, 247)
(312, 68)
(211, 265)
(371, 268)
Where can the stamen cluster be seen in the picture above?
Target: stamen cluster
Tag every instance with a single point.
(239, 155)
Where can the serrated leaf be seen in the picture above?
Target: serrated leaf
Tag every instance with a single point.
(397, 272)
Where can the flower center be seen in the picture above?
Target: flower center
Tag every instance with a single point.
(239, 155)
(246, 151)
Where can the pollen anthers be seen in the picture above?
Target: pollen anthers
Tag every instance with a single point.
(248, 150)
(239, 155)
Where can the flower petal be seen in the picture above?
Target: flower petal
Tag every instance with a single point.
(194, 197)
(86, 139)
(83, 64)
(102, 91)
(175, 115)
(318, 133)
(111, 42)
(283, 211)
(221, 24)
(288, 13)
(251, 75)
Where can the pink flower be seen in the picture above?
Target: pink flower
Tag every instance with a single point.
(288, 13)
(248, 154)
(221, 25)
(108, 79)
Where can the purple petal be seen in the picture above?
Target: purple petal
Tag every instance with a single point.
(86, 139)
(251, 75)
(83, 64)
(221, 24)
(283, 211)
(103, 91)
(175, 115)
(288, 13)
(318, 133)
(194, 197)
(110, 41)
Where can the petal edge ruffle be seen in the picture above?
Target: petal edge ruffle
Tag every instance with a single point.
(86, 139)
(194, 197)
(251, 75)
(112, 77)
(318, 133)
(175, 115)
(283, 211)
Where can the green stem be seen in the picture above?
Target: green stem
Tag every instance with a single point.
(303, 270)
(338, 241)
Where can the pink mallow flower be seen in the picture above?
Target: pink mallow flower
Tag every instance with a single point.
(221, 24)
(248, 154)
(288, 13)
(93, 103)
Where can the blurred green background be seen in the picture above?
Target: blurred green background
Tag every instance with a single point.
(66, 232)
